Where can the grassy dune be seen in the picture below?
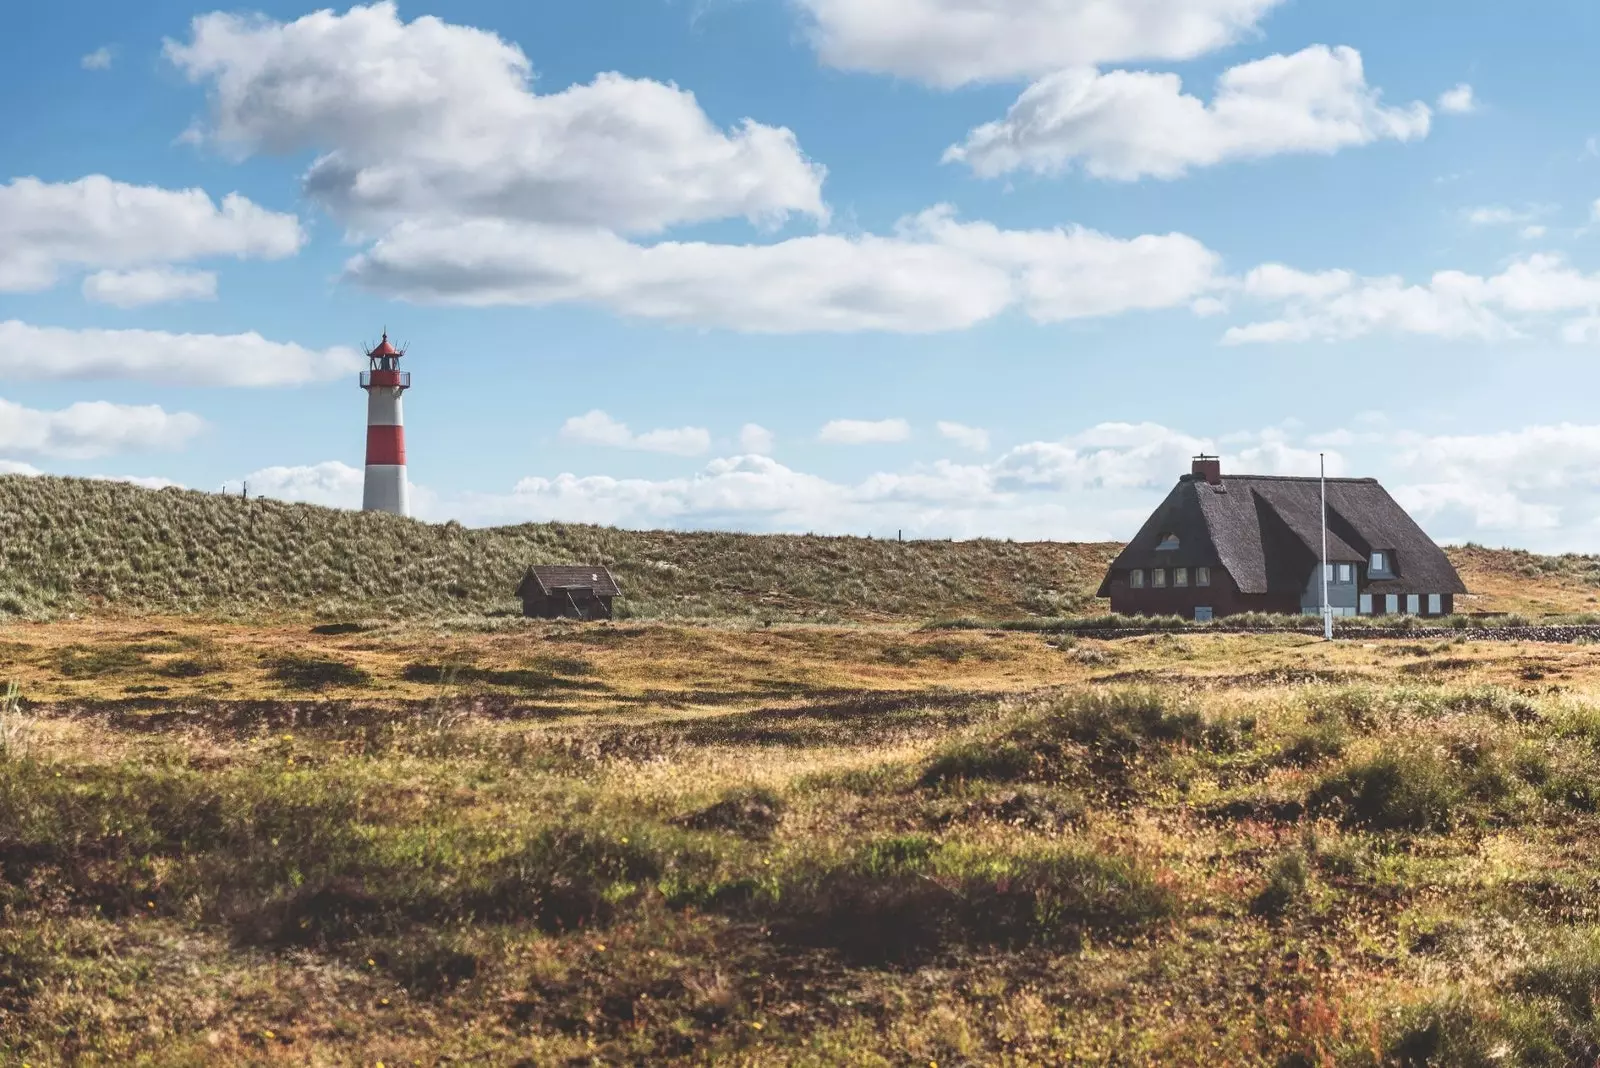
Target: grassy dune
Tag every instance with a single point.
(73, 544)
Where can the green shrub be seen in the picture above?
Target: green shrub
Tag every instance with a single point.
(91, 662)
(1103, 732)
(753, 812)
(1287, 880)
(310, 673)
(1415, 791)
(904, 899)
(1420, 788)
(1314, 744)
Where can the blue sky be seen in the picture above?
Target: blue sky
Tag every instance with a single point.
(957, 267)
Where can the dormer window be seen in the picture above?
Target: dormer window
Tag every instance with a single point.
(1169, 543)
(1381, 565)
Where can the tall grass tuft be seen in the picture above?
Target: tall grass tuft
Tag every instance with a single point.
(14, 726)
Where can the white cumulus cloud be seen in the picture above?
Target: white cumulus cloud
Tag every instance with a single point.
(1499, 215)
(1338, 305)
(968, 437)
(935, 273)
(149, 285)
(95, 222)
(1126, 125)
(332, 484)
(41, 353)
(1458, 101)
(864, 431)
(428, 117)
(1516, 482)
(756, 440)
(598, 428)
(953, 42)
(93, 428)
(99, 59)
(1533, 485)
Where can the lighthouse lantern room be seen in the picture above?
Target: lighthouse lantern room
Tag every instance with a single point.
(385, 384)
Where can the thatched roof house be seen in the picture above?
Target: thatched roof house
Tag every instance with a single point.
(1246, 543)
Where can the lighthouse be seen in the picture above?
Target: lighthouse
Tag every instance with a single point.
(385, 384)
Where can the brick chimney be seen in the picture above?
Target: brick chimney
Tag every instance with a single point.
(1208, 468)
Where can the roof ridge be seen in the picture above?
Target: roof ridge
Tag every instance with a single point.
(1280, 478)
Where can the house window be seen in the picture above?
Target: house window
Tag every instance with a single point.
(1202, 615)
(1346, 575)
(1366, 604)
(1327, 572)
(1158, 578)
(1413, 604)
(1180, 576)
(1202, 576)
(1391, 603)
(1169, 543)
(1435, 605)
(1136, 579)
(1382, 563)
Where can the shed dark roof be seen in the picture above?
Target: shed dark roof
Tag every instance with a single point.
(1266, 531)
(547, 578)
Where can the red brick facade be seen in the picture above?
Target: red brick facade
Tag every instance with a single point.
(1222, 597)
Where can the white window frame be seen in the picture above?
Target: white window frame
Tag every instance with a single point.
(1366, 604)
(1379, 562)
(1328, 572)
(1413, 604)
(1391, 604)
(1136, 579)
(1346, 574)
(1202, 576)
(1158, 578)
(1180, 578)
(1435, 604)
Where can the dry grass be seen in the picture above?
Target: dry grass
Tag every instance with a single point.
(665, 843)
(73, 545)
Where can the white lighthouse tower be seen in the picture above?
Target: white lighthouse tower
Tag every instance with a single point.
(385, 383)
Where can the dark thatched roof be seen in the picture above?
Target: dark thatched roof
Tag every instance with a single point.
(544, 579)
(1266, 532)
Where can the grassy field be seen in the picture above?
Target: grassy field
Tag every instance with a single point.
(526, 844)
(286, 785)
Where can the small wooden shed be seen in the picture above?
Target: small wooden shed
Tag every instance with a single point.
(567, 592)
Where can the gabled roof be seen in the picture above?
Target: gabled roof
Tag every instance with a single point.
(1266, 531)
(545, 579)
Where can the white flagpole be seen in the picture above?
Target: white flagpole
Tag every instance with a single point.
(1327, 609)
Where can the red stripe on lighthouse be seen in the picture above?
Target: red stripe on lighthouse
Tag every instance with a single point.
(386, 445)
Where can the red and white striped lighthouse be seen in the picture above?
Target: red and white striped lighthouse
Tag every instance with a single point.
(385, 383)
